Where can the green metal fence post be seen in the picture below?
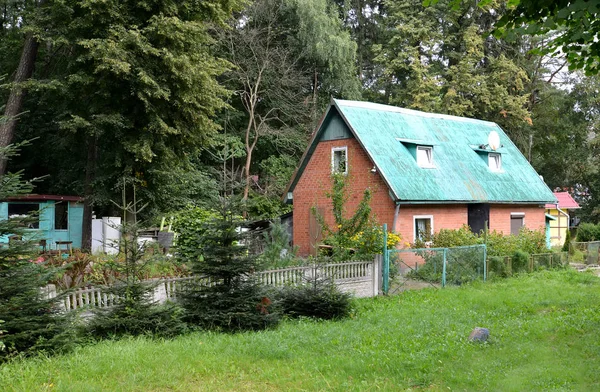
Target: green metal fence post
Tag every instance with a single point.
(386, 262)
(444, 269)
(484, 262)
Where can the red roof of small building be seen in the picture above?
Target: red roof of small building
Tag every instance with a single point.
(565, 201)
(34, 197)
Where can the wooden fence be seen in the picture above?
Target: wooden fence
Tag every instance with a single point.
(360, 277)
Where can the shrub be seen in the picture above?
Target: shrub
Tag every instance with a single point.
(190, 225)
(567, 245)
(31, 320)
(447, 238)
(278, 253)
(587, 232)
(136, 312)
(497, 267)
(520, 261)
(232, 300)
(318, 298)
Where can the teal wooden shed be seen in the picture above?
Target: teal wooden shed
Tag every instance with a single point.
(59, 218)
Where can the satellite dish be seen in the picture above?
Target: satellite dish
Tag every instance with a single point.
(494, 140)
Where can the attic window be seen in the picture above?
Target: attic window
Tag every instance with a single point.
(495, 161)
(339, 160)
(425, 156)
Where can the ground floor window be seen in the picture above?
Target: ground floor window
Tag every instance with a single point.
(29, 212)
(517, 221)
(423, 228)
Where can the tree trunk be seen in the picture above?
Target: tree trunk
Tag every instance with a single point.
(247, 172)
(90, 176)
(17, 93)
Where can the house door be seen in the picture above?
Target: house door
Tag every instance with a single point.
(478, 215)
(315, 232)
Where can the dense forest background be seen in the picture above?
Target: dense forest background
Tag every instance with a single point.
(185, 98)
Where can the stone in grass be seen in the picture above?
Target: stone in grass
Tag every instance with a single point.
(479, 335)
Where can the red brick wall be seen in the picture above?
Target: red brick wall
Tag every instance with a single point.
(448, 216)
(316, 182)
(500, 217)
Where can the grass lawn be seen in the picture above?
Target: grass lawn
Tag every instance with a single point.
(545, 335)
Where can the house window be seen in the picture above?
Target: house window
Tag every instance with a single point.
(425, 156)
(61, 216)
(28, 212)
(339, 160)
(423, 228)
(495, 161)
(517, 221)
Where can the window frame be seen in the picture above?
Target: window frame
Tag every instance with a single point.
(430, 164)
(491, 158)
(68, 210)
(333, 151)
(415, 217)
(32, 213)
(517, 215)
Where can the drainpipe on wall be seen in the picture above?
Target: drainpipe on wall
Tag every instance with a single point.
(395, 218)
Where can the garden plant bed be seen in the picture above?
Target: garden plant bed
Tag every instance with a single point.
(543, 337)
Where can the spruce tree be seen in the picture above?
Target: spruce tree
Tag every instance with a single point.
(31, 320)
(229, 299)
(136, 311)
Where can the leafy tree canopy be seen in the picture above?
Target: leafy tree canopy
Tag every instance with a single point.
(573, 25)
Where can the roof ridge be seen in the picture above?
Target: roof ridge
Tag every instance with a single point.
(390, 108)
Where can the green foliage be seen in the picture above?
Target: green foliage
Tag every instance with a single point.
(277, 253)
(587, 232)
(231, 300)
(134, 86)
(447, 238)
(318, 298)
(425, 330)
(572, 25)
(498, 244)
(567, 245)
(135, 311)
(497, 267)
(529, 241)
(520, 261)
(2, 345)
(31, 321)
(463, 265)
(344, 232)
(190, 226)
(449, 67)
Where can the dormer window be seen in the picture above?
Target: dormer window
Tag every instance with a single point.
(339, 160)
(495, 161)
(425, 156)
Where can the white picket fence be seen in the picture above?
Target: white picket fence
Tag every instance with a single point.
(360, 278)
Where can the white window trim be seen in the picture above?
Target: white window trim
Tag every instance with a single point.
(415, 217)
(426, 165)
(493, 154)
(333, 150)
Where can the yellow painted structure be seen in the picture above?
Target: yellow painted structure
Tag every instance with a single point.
(560, 211)
(558, 227)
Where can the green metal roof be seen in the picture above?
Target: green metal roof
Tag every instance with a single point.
(461, 172)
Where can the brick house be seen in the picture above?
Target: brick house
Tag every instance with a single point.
(427, 172)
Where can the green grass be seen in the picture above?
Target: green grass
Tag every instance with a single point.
(544, 336)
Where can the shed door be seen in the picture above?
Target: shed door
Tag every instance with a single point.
(315, 232)
(478, 215)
